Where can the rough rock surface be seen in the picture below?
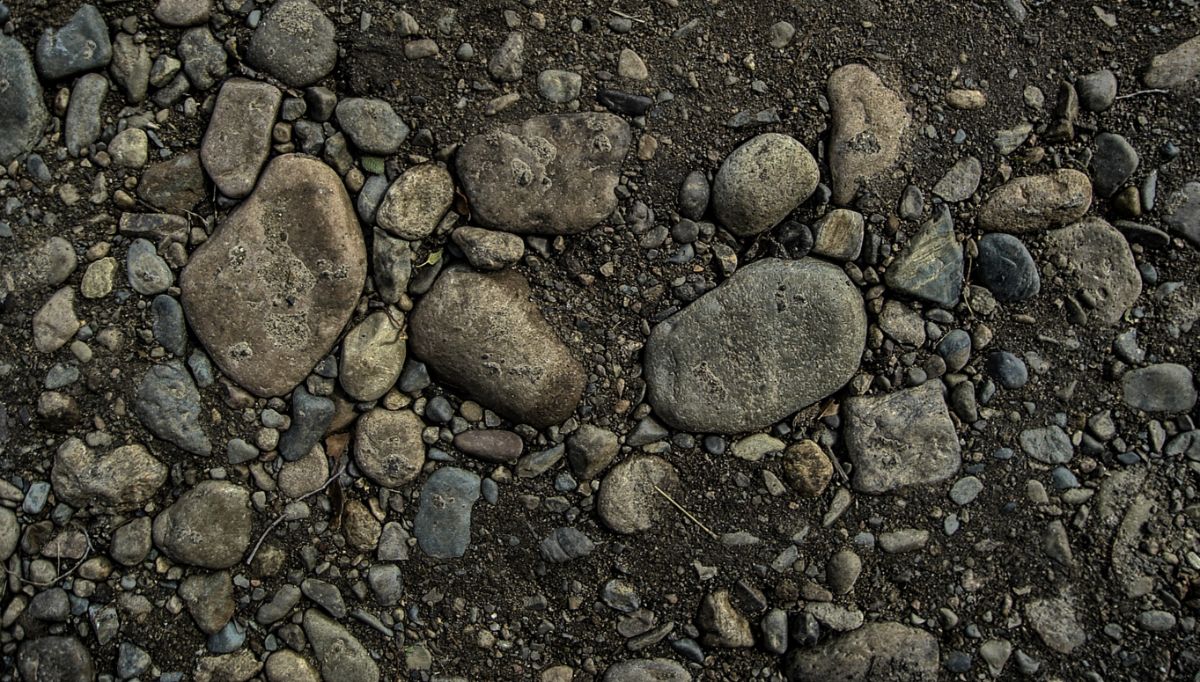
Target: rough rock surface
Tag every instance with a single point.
(388, 446)
(1099, 268)
(23, 115)
(931, 265)
(628, 501)
(876, 651)
(761, 182)
(870, 121)
(121, 480)
(294, 42)
(1037, 202)
(238, 138)
(208, 526)
(900, 440)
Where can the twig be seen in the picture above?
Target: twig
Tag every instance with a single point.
(619, 13)
(87, 553)
(279, 519)
(687, 513)
(838, 465)
(1151, 91)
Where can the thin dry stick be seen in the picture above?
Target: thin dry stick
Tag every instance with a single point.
(87, 553)
(1151, 91)
(279, 519)
(619, 13)
(687, 513)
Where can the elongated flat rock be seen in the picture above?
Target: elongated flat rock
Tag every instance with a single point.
(238, 138)
(869, 124)
(774, 338)
(1037, 202)
(272, 289)
(876, 651)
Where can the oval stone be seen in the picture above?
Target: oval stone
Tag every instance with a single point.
(761, 182)
(208, 526)
(776, 337)
(1037, 202)
(272, 289)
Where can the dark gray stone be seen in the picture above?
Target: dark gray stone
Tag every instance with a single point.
(61, 659)
(566, 544)
(1183, 212)
(311, 416)
(693, 195)
(1113, 163)
(23, 114)
(81, 44)
(931, 265)
(1007, 369)
(294, 42)
(168, 404)
(1049, 445)
(204, 58)
(82, 125)
(1097, 90)
(443, 522)
(1005, 267)
(169, 329)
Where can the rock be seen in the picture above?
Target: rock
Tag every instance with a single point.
(1005, 267)
(1165, 387)
(842, 571)
(23, 114)
(800, 327)
(204, 59)
(183, 12)
(628, 502)
(647, 670)
(99, 278)
(372, 125)
(507, 62)
(876, 651)
(487, 249)
(761, 182)
(1099, 269)
(168, 404)
(131, 543)
(1049, 445)
(1113, 163)
(1055, 622)
(693, 195)
(490, 445)
(1156, 620)
(480, 332)
(869, 125)
(122, 480)
(175, 185)
(624, 102)
(295, 43)
(373, 353)
(902, 324)
(1175, 68)
(631, 66)
(208, 526)
(391, 265)
(304, 475)
(131, 67)
(590, 449)
(1097, 90)
(238, 138)
(311, 416)
(209, 599)
(269, 293)
(754, 447)
(726, 627)
(1183, 212)
(61, 659)
(286, 665)
(1007, 369)
(148, 273)
(47, 264)
(388, 447)
(565, 544)
(132, 661)
(960, 182)
(931, 265)
(340, 655)
(967, 100)
(129, 148)
(55, 322)
(80, 45)
(554, 174)
(807, 468)
(443, 522)
(386, 583)
(900, 440)
(235, 667)
(10, 533)
(1037, 202)
(285, 599)
(415, 203)
(327, 595)
(558, 86)
(839, 235)
(903, 541)
(82, 126)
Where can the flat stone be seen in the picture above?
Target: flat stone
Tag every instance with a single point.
(900, 440)
(209, 600)
(628, 502)
(558, 86)
(490, 445)
(55, 322)
(931, 265)
(147, 272)
(311, 416)
(754, 447)
(590, 449)
(554, 174)
(489, 249)
(1037, 202)
(286, 665)
(443, 522)
(960, 182)
(270, 292)
(415, 203)
(10, 533)
(1005, 267)
(167, 324)
(799, 328)
(372, 125)
(23, 113)
(1097, 90)
(122, 480)
(902, 324)
(724, 625)
(1113, 163)
(842, 571)
(1099, 268)
(1166, 387)
(175, 185)
(82, 126)
(305, 475)
(481, 332)
(238, 138)
(1182, 212)
(340, 655)
(294, 42)
(565, 544)
(373, 354)
(869, 125)
(1056, 623)
(1049, 445)
(838, 235)
(876, 651)
(507, 62)
(47, 264)
(168, 404)
(208, 526)
(391, 265)
(388, 447)
(132, 542)
(807, 468)
(1176, 68)
(63, 659)
(183, 12)
(204, 59)
(81, 44)
(761, 182)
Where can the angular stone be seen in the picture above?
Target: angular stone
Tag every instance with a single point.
(55, 322)
(488, 249)
(931, 265)
(869, 124)
(81, 44)
(1183, 212)
(507, 62)
(373, 353)
(388, 446)
(726, 627)
(1175, 68)
(481, 332)
(122, 480)
(311, 416)
(443, 522)
(131, 67)
(23, 114)
(372, 125)
(269, 293)
(208, 526)
(295, 43)
(209, 599)
(168, 404)
(775, 337)
(628, 502)
(415, 203)
(1099, 268)
(175, 185)
(341, 656)
(761, 182)
(238, 138)
(590, 449)
(1166, 387)
(838, 235)
(554, 174)
(204, 59)
(876, 651)
(1055, 622)
(1049, 444)
(961, 181)
(900, 440)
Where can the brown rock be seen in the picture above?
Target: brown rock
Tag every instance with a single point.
(490, 445)
(238, 138)
(388, 446)
(121, 480)
(1037, 202)
(807, 468)
(174, 185)
(869, 124)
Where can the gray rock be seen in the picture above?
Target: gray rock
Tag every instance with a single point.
(1037, 202)
(876, 651)
(1099, 268)
(902, 324)
(443, 522)
(774, 627)
(63, 659)
(167, 324)
(1055, 622)
(372, 125)
(183, 12)
(303, 476)
(798, 326)
(311, 416)
(55, 322)
(10, 533)
(208, 526)
(1005, 267)
(325, 595)
(842, 571)
(1166, 387)
(1007, 369)
(590, 449)
(50, 605)
(23, 114)
(565, 544)
(147, 272)
(131, 543)
(558, 86)
(553, 174)
(507, 62)
(488, 249)
(1097, 90)
(415, 203)
(931, 265)
(901, 439)
(1113, 163)
(370, 197)
(285, 599)
(647, 670)
(287, 266)
(204, 58)
(340, 655)
(209, 600)
(386, 583)
(129, 148)
(46, 264)
(628, 502)
(960, 182)
(1049, 445)
(693, 195)
(81, 44)
(482, 333)
(132, 661)
(838, 235)
(388, 447)
(373, 353)
(1175, 68)
(82, 125)
(761, 182)
(1155, 620)
(238, 138)
(1183, 212)
(965, 490)
(391, 265)
(175, 185)
(870, 122)
(168, 404)
(122, 480)
(295, 43)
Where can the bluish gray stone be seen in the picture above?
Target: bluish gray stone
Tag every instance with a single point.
(1005, 267)
(900, 440)
(169, 405)
(1049, 445)
(148, 273)
(310, 417)
(1166, 387)
(169, 329)
(228, 639)
(23, 114)
(443, 522)
(931, 265)
(81, 44)
(372, 125)
(565, 544)
(955, 349)
(1006, 368)
(1113, 163)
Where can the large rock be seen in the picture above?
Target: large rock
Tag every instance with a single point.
(901, 439)
(777, 336)
(415, 203)
(341, 656)
(238, 138)
(553, 174)
(1166, 387)
(272, 289)
(931, 265)
(443, 522)
(122, 480)
(1037, 202)
(81, 44)
(647, 670)
(208, 526)
(1175, 68)
(869, 124)
(55, 659)
(761, 182)
(23, 114)
(1097, 268)
(481, 332)
(295, 43)
(876, 651)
